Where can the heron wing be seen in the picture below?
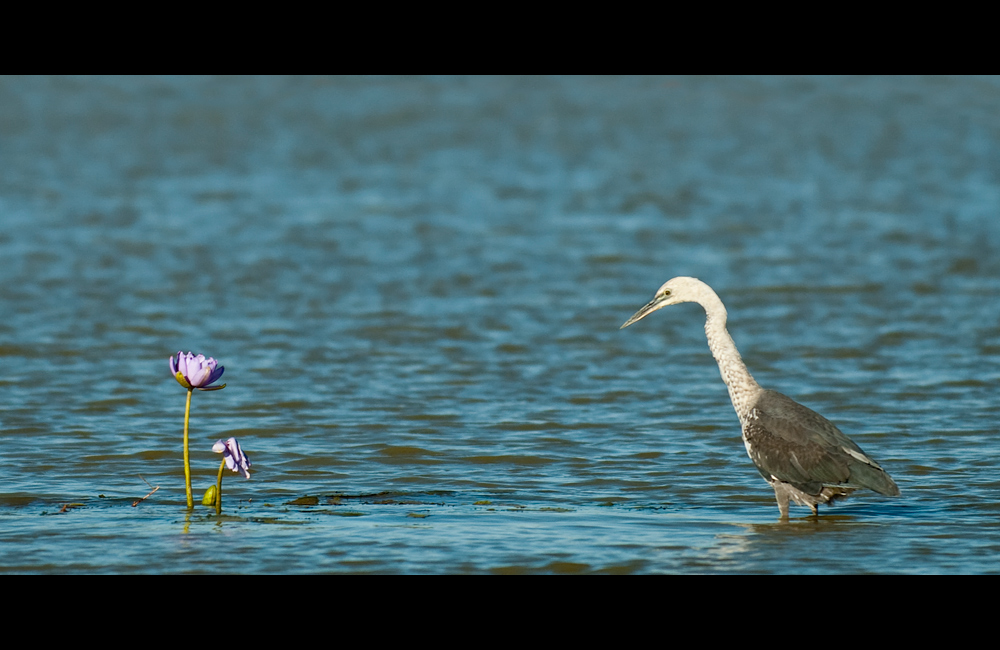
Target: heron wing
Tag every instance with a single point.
(796, 445)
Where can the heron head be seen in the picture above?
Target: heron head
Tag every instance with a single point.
(672, 292)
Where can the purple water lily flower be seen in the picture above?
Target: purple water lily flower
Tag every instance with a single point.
(192, 371)
(235, 459)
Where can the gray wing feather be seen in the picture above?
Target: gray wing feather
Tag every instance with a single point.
(799, 446)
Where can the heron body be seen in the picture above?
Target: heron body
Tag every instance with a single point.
(801, 454)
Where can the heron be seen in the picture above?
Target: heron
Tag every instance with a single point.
(801, 454)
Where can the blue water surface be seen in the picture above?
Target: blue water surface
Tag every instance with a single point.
(416, 285)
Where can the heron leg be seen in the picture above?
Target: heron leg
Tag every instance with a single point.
(782, 497)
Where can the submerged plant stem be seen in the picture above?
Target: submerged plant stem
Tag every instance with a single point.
(187, 459)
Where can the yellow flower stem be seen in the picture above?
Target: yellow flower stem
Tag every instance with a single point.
(187, 459)
(218, 488)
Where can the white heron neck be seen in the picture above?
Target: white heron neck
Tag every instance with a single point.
(743, 389)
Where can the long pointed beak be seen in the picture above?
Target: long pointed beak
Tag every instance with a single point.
(649, 308)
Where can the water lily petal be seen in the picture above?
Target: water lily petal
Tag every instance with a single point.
(235, 459)
(182, 363)
(200, 377)
(216, 374)
(239, 456)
